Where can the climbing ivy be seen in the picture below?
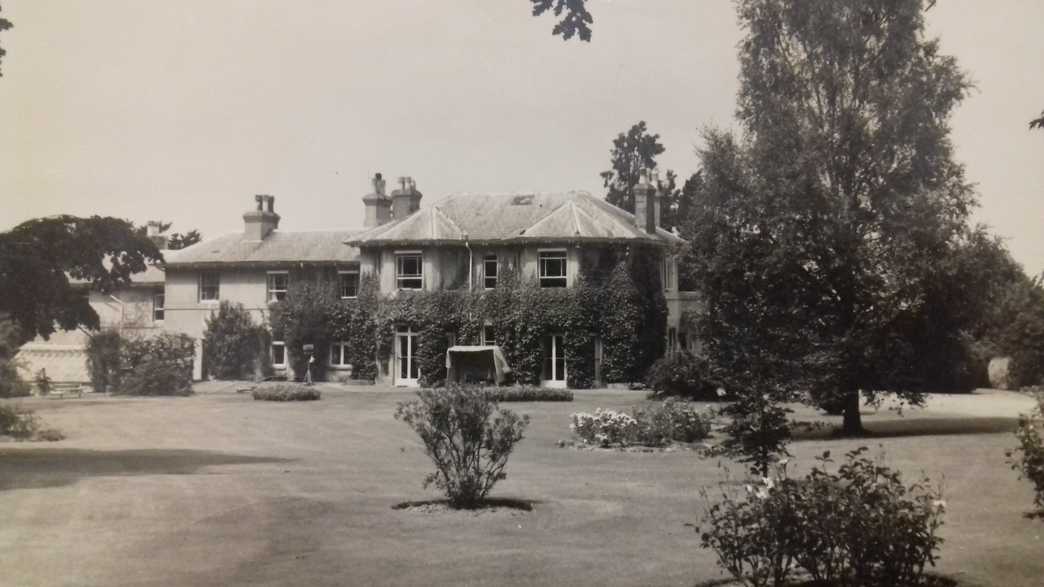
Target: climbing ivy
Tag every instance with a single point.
(614, 300)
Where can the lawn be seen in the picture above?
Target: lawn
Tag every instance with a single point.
(218, 489)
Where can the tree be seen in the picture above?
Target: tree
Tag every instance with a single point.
(38, 258)
(1037, 122)
(577, 19)
(179, 240)
(233, 343)
(826, 219)
(632, 152)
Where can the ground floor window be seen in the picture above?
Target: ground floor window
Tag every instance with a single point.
(278, 354)
(489, 337)
(338, 354)
(554, 369)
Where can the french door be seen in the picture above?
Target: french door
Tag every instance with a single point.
(407, 369)
(554, 371)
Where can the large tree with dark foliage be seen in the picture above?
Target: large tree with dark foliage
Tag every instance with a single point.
(820, 229)
(38, 258)
(180, 240)
(633, 152)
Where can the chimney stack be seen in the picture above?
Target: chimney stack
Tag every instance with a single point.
(647, 202)
(378, 205)
(259, 223)
(153, 232)
(406, 199)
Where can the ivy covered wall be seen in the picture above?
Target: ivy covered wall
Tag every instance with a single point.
(617, 299)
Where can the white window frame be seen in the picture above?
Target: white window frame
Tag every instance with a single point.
(555, 353)
(486, 260)
(340, 287)
(565, 267)
(271, 354)
(161, 307)
(341, 347)
(486, 339)
(271, 294)
(202, 287)
(400, 277)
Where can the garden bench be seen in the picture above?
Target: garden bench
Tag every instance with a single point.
(60, 389)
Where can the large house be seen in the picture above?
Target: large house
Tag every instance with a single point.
(462, 241)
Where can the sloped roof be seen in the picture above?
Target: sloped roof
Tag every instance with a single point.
(543, 217)
(319, 247)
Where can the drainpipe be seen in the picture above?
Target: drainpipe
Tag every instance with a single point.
(471, 261)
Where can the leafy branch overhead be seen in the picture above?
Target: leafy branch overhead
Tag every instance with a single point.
(1035, 123)
(575, 22)
(4, 25)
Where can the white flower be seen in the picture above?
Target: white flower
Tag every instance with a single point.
(721, 392)
(939, 504)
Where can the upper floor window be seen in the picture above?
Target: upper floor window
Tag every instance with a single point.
(552, 268)
(348, 283)
(489, 271)
(209, 287)
(278, 283)
(409, 271)
(158, 301)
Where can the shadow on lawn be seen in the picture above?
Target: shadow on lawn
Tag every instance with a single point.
(36, 468)
(901, 427)
(490, 503)
(930, 580)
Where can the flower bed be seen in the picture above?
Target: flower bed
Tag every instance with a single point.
(656, 425)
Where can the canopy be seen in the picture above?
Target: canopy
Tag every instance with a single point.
(482, 361)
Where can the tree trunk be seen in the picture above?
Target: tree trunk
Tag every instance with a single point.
(852, 425)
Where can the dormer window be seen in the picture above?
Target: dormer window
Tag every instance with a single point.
(409, 270)
(489, 271)
(553, 268)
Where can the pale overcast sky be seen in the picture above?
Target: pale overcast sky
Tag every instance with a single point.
(147, 109)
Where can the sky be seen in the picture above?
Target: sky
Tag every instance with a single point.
(182, 111)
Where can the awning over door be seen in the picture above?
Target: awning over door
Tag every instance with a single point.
(475, 363)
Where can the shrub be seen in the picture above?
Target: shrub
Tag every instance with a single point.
(233, 344)
(1028, 457)
(467, 437)
(11, 382)
(103, 360)
(18, 422)
(861, 525)
(157, 365)
(286, 392)
(757, 432)
(526, 393)
(681, 374)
